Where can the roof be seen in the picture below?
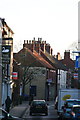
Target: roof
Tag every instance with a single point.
(39, 100)
(76, 106)
(54, 62)
(72, 100)
(69, 63)
(4, 23)
(34, 59)
(42, 60)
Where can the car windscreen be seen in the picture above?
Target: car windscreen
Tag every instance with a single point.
(76, 109)
(38, 103)
(71, 103)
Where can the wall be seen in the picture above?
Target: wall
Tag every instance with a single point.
(61, 79)
(39, 80)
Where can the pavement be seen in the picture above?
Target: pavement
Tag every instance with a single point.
(20, 109)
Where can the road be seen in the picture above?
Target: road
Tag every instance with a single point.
(52, 114)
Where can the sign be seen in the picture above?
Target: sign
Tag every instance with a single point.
(77, 63)
(49, 80)
(66, 97)
(76, 76)
(14, 75)
(6, 54)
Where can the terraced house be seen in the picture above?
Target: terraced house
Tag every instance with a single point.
(38, 69)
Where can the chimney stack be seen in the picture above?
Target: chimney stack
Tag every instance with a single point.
(58, 56)
(48, 48)
(29, 45)
(67, 54)
(42, 45)
(37, 47)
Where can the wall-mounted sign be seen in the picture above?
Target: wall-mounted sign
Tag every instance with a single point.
(76, 76)
(77, 62)
(65, 97)
(6, 54)
(14, 75)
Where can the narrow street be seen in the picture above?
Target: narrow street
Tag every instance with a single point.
(52, 114)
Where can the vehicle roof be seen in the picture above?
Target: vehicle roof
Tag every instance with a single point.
(39, 100)
(76, 105)
(72, 100)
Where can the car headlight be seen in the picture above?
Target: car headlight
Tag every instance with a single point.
(73, 114)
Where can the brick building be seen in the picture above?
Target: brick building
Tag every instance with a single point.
(40, 53)
(70, 65)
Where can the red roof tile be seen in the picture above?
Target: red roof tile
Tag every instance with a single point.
(39, 58)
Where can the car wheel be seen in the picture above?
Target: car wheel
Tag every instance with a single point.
(46, 113)
(30, 113)
(63, 118)
(60, 118)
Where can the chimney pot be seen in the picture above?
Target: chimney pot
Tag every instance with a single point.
(27, 41)
(34, 38)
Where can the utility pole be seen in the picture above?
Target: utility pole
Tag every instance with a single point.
(0, 62)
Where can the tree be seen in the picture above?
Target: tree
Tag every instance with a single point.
(26, 77)
(26, 74)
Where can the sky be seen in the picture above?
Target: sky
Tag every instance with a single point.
(55, 21)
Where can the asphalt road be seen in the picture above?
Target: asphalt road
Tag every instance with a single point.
(52, 114)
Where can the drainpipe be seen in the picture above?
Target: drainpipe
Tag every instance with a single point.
(56, 82)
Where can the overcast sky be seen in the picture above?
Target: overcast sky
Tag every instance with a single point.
(55, 21)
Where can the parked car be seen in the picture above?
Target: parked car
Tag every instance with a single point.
(75, 112)
(64, 94)
(68, 107)
(66, 115)
(38, 106)
(70, 102)
(6, 116)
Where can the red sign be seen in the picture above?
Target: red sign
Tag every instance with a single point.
(15, 75)
(76, 76)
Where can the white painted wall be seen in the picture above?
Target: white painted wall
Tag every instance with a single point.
(62, 78)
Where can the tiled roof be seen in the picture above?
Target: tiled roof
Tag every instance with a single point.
(70, 64)
(56, 63)
(40, 61)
